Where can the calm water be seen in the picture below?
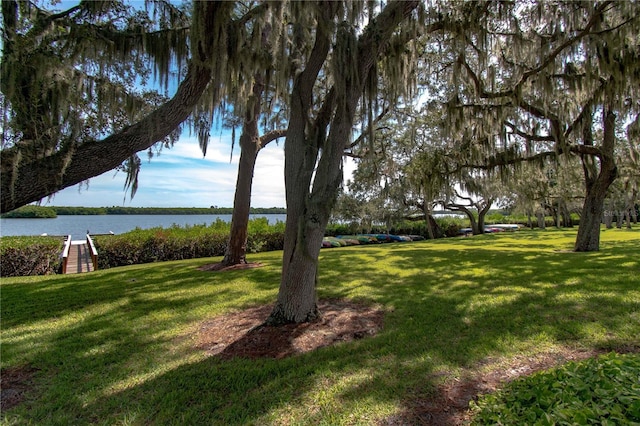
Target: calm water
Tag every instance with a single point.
(78, 226)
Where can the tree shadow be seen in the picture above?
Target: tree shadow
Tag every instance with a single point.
(447, 313)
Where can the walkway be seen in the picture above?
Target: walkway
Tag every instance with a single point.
(79, 258)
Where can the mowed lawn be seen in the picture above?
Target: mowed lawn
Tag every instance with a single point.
(118, 346)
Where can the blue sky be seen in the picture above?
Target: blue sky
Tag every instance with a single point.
(182, 177)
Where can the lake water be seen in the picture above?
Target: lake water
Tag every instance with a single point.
(78, 226)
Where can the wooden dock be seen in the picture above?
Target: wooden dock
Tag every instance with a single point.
(79, 256)
(79, 259)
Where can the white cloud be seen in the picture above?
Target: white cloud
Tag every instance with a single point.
(181, 177)
(218, 151)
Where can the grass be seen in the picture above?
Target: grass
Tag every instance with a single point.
(116, 346)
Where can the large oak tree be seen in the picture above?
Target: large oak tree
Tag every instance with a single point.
(70, 105)
(528, 87)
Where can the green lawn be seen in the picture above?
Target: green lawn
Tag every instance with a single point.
(116, 346)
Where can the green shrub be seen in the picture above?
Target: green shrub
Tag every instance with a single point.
(496, 218)
(351, 228)
(449, 226)
(452, 225)
(603, 391)
(410, 227)
(159, 245)
(177, 243)
(20, 256)
(265, 241)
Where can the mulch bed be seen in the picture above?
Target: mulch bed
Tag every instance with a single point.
(242, 334)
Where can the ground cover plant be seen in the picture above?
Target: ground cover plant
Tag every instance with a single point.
(606, 389)
(121, 346)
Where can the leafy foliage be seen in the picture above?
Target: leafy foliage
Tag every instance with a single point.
(75, 74)
(177, 243)
(21, 256)
(604, 390)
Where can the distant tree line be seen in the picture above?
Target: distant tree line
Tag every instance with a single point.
(33, 211)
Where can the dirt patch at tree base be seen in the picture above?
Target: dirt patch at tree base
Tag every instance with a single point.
(15, 382)
(242, 334)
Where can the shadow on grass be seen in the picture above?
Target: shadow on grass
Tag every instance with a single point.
(124, 355)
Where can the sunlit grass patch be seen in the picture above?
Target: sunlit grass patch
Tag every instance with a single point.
(116, 346)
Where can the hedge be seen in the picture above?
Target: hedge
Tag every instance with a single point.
(22, 256)
(41, 255)
(177, 243)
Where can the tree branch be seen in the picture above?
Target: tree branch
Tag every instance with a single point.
(480, 89)
(27, 180)
(364, 134)
(271, 136)
(536, 138)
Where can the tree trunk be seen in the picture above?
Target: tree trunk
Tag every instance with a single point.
(627, 217)
(541, 219)
(555, 215)
(313, 170)
(619, 218)
(250, 146)
(482, 213)
(633, 215)
(307, 218)
(437, 230)
(588, 238)
(303, 229)
(236, 250)
(427, 215)
(608, 219)
(475, 228)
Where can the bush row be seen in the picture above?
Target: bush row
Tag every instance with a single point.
(449, 226)
(162, 246)
(177, 243)
(22, 256)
